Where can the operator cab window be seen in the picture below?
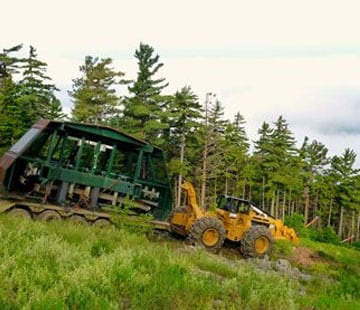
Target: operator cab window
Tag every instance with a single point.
(243, 207)
(231, 205)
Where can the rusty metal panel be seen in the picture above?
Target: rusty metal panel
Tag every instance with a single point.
(19, 147)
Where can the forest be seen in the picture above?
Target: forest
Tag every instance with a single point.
(297, 184)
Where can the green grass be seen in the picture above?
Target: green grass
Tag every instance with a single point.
(64, 266)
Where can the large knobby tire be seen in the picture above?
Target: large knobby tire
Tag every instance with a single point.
(49, 215)
(19, 212)
(208, 232)
(257, 242)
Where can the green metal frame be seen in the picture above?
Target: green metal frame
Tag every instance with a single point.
(54, 138)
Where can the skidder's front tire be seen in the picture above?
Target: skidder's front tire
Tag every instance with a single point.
(257, 242)
(208, 232)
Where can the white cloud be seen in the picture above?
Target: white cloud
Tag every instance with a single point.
(299, 59)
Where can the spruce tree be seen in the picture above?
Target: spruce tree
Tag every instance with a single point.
(314, 159)
(184, 121)
(236, 146)
(94, 94)
(212, 135)
(263, 162)
(347, 192)
(12, 124)
(145, 110)
(36, 92)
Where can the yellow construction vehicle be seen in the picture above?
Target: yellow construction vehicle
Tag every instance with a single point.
(85, 173)
(234, 219)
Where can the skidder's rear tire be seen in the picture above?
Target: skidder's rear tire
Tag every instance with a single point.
(257, 242)
(208, 232)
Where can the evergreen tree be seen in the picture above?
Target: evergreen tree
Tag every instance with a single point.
(314, 159)
(94, 93)
(262, 161)
(286, 177)
(236, 146)
(12, 125)
(36, 94)
(278, 165)
(145, 109)
(185, 115)
(347, 192)
(212, 133)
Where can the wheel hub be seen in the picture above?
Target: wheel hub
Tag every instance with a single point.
(261, 245)
(210, 237)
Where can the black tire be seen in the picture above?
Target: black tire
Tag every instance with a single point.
(78, 219)
(49, 215)
(208, 232)
(102, 223)
(257, 242)
(19, 212)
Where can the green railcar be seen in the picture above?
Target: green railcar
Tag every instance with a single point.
(82, 169)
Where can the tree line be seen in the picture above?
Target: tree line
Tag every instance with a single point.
(201, 145)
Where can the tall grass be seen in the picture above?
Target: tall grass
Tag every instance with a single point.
(64, 266)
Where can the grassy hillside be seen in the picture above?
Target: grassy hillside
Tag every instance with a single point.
(60, 266)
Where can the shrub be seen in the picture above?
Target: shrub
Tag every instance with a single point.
(327, 235)
(282, 248)
(296, 221)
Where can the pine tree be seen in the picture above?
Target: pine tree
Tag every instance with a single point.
(145, 109)
(314, 159)
(185, 115)
(262, 161)
(94, 93)
(212, 133)
(347, 193)
(236, 146)
(36, 94)
(12, 125)
(278, 164)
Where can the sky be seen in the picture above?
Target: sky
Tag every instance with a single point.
(298, 59)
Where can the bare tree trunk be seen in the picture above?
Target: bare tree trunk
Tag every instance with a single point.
(226, 181)
(307, 204)
(263, 194)
(205, 154)
(290, 211)
(283, 207)
(204, 176)
(272, 209)
(182, 151)
(330, 211)
(277, 203)
(358, 227)
(352, 224)
(316, 207)
(341, 222)
(176, 195)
